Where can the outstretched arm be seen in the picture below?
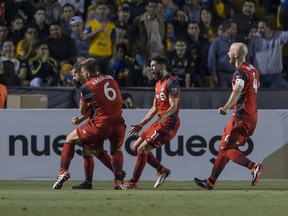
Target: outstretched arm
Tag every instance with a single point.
(137, 127)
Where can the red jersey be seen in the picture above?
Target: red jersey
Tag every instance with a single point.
(246, 106)
(104, 95)
(169, 88)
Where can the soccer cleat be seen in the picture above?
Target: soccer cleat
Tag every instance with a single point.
(162, 175)
(118, 185)
(61, 179)
(204, 184)
(130, 185)
(83, 186)
(256, 173)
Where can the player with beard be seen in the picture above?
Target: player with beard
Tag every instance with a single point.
(166, 105)
(243, 122)
(103, 94)
(87, 152)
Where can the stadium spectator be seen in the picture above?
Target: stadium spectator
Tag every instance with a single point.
(137, 8)
(53, 11)
(192, 9)
(68, 12)
(166, 105)
(180, 20)
(91, 15)
(243, 121)
(43, 70)
(126, 72)
(169, 37)
(15, 31)
(208, 26)
(196, 40)
(122, 24)
(122, 67)
(78, 5)
(101, 34)
(147, 34)
(221, 9)
(39, 21)
(181, 63)
(246, 20)
(265, 52)
(198, 67)
(77, 26)
(219, 30)
(123, 15)
(107, 121)
(61, 46)
(26, 46)
(218, 60)
(20, 67)
(122, 34)
(18, 7)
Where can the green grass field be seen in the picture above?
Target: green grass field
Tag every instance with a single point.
(269, 197)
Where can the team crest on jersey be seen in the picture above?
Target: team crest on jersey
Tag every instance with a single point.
(174, 90)
(162, 96)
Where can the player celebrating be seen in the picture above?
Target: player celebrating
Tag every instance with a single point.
(243, 121)
(103, 93)
(88, 153)
(166, 104)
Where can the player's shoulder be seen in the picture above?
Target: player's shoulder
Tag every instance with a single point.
(172, 80)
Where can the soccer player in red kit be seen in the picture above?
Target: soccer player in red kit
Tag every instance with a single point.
(166, 105)
(243, 122)
(103, 93)
(87, 152)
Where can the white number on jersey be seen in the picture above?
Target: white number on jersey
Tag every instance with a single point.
(255, 83)
(110, 93)
(250, 67)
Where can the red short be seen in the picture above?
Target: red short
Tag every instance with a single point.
(236, 133)
(157, 135)
(89, 133)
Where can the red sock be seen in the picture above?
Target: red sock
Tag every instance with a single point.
(105, 158)
(218, 167)
(117, 164)
(88, 167)
(67, 155)
(238, 157)
(139, 166)
(152, 161)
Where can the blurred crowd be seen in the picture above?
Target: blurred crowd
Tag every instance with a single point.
(41, 40)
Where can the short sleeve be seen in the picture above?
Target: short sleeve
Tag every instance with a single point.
(173, 88)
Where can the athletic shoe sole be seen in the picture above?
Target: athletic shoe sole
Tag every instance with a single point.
(258, 174)
(161, 179)
(60, 180)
